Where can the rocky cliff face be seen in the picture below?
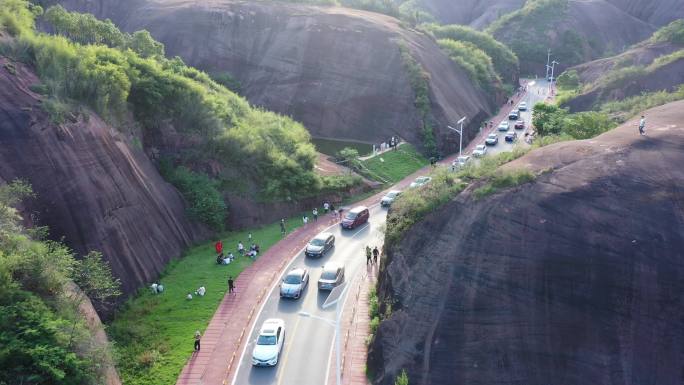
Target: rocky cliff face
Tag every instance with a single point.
(657, 13)
(92, 188)
(339, 71)
(574, 278)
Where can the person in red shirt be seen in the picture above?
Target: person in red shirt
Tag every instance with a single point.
(219, 247)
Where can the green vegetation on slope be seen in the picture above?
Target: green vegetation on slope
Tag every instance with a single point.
(621, 110)
(526, 32)
(418, 79)
(504, 60)
(153, 332)
(43, 337)
(476, 63)
(673, 33)
(270, 154)
(393, 166)
(549, 119)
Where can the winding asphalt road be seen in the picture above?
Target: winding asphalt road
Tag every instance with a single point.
(308, 346)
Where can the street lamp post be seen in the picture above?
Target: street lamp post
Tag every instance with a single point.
(553, 65)
(333, 299)
(548, 59)
(460, 133)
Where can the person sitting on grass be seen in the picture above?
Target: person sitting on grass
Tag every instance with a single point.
(201, 291)
(219, 259)
(241, 248)
(189, 296)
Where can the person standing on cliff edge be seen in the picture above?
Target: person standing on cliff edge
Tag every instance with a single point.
(642, 125)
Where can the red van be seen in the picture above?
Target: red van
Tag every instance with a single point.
(355, 217)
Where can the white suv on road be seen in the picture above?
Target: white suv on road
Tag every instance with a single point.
(269, 344)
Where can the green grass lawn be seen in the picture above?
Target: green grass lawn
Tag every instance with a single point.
(153, 334)
(332, 146)
(393, 166)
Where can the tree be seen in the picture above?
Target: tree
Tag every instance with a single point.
(144, 45)
(548, 118)
(349, 157)
(568, 80)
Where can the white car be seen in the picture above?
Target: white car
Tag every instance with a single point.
(460, 161)
(522, 106)
(492, 139)
(269, 344)
(387, 200)
(480, 150)
(503, 126)
(420, 181)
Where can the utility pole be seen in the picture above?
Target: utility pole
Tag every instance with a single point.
(553, 65)
(548, 60)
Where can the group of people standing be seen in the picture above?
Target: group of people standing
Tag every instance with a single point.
(328, 208)
(372, 255)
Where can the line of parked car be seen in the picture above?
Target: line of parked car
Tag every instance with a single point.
(493, 138)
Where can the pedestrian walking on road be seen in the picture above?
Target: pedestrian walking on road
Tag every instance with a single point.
(326, 207)
(198, 337)
(642, 125)
(282, 226)
(376, 252)
(368, 255)
(315, 214)
(305, 219)
(231, 285)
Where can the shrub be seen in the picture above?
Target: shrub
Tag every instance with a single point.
(402, 379)
(205, 201)
(502, 180)
(550, 119)
(374, 323)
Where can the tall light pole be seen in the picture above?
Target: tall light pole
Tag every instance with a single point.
(460, 133)
(333, 299)
(553, 65)
(548, 62)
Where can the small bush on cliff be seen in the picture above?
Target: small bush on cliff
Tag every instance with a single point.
(503, 180)
(402, 379)
(201, 192)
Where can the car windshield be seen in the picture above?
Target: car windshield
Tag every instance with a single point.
(480, 147)
(328, 274)
(391, 195)
(317, 242)
(422, 179)
(266, 340)
(351, 215)
(293, 278)
(492, 136)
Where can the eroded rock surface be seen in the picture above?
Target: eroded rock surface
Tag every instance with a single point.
(574, 278)
(92, 188)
